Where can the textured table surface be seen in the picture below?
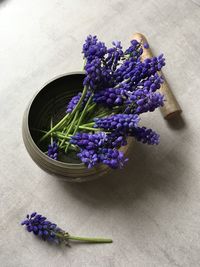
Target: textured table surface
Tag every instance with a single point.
(151, 209)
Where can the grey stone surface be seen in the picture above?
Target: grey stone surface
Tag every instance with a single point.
(151, 209)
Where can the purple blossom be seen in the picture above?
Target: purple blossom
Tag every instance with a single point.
(111, 96)
(154, 64)
(119, 122)
(136, 71)
(99, 148)
(146, 136)
(135, 50)
(145, 101)
(53, 151)
(97, 75)
(126, 70)
(88, 157)
(117, 139)
(152, 83)
(114, 55)
(89, 141)
(43, 228)
(146, 45)
(112, 157)
(74, 101)
(144, 98)
(92, 48)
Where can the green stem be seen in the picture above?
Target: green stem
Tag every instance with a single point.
(73, 147)
(88, 128)
(70, 127)
(55, 127)
(80, 119)
(87, 124)
(90, 239)
(51, 133)
(92, 107)
(60, 135)
(70, 115)
(79, 102)
(64, 129)
(82, 114)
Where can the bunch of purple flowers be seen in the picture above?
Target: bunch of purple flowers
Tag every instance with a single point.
(118, 87)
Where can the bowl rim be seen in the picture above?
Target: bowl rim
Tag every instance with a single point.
(34, 145)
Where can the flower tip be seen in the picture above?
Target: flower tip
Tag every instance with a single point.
(33, 214)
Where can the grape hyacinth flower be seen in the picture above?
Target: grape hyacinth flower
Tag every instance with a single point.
(114, 55)
(146, 45)
(108, 156)
(117, 139)
(39, 225)
(111, 97)
(53, 150)
(88, 157)
(143, 97)
(146, 136)
(112, 157)
(151, 84)
(92, 48)
(127, 70)
(89, 141)
(99, 148)
(74, 101)
(145, 101)
(49, 231)
(97, 75)
(135, 50)
(120, 122)
(136, 71)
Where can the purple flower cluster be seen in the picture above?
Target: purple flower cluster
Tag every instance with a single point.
(144, 135)
(89, 141)
(139, 101)
(97, 75)
(115, 54)
(111, 97)
(119, 122)
(39, 225)
(112, 157)
(92, 48)
(144, 101)
(117, 139)
(118, 83)
(137, 71)
(74, 101)
(53, 151)
(88, 157)
(135, 50)
(98, 148)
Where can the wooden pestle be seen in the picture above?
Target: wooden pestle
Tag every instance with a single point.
(171, 106)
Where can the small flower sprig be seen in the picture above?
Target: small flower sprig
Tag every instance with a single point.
(49, 231)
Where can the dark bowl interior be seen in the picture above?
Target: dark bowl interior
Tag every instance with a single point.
(50, 103)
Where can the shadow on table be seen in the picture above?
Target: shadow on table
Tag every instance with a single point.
(145, 174)
(177, 123)
(3, 1)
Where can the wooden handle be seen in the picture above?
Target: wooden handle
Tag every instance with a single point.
(171, 106)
